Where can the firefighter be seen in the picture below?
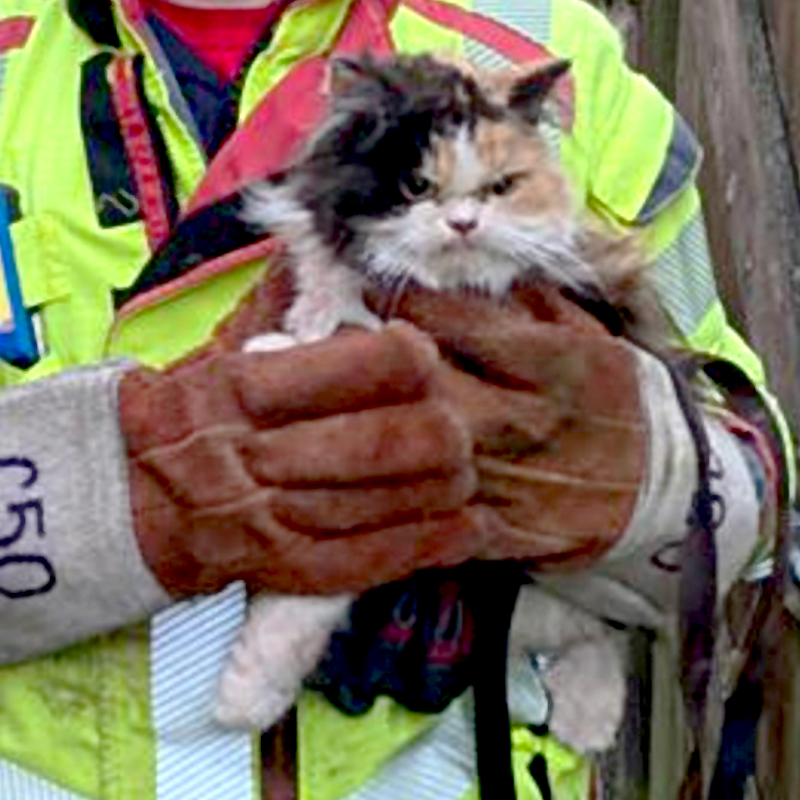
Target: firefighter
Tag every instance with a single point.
(152, 473)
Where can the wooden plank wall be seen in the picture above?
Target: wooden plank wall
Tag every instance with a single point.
(783, 21)
(726, 86)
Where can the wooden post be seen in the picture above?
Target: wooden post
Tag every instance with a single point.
(726, 88)
(657, 48)
(783, 23)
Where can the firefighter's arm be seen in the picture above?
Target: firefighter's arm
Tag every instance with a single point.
(322, 469)
(587, 464)
(642, 164)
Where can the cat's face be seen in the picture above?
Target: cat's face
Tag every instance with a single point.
(485, 205)
(430, 173)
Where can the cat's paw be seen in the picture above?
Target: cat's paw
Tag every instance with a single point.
(587, 686)
(279, 645)
(269, 342)
(315, 317)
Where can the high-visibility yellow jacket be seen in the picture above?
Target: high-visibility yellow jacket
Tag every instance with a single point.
(125, 717)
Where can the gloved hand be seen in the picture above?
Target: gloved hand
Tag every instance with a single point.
(552, 400)
(321, 469)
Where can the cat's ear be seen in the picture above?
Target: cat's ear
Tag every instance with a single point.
(344, 73)
(529, 92)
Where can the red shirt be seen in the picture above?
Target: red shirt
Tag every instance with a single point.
(221, 38)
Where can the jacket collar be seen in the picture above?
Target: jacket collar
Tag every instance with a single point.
(96, 18)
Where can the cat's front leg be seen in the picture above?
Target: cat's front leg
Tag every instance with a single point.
(330, 294)
(279, 646)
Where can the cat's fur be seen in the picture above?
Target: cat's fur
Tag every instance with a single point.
(424, 172)
(427, 173)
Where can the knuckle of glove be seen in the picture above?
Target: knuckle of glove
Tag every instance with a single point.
(369, 469)
(348, 372)
(377, 444)
(554, 407)
(372, 556)
(209, 388)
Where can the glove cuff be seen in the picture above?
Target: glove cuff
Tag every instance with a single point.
(70, 567)
(637, 581)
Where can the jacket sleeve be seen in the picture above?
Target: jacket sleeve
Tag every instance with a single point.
(70, 567)
(640, 166)
(641, 161)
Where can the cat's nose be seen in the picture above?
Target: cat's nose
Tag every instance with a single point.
(462, 225)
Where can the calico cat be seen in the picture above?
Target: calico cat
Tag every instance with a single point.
(424, 172)
(428, 173)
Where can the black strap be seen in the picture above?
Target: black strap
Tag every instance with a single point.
(492, 590)
(698, 587)
(96, 17)
(538, 771)
(763, 636)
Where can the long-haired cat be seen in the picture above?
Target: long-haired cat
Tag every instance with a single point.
(428, 173)
(424, 172)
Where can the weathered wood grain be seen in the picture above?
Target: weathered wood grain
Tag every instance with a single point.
(783, 21)
(725, 87)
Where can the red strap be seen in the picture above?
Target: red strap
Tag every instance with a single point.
(499, 37)
(289, 113)
(269, 137)
(139, 150)
(14, 32)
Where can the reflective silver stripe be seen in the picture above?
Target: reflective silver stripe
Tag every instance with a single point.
(440, 765)
(196, 758)
(685, 279)
(680, 167)
(484, 57)
(17, 783)
(533, 18)
(176, 99)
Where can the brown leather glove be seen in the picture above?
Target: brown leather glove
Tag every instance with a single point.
(552, 401)
(318, 469)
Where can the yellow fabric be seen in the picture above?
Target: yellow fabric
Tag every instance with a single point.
(329, 771)
(307, 29)
(568, 774)
(622, 126)
(81, 718)
(413, 33)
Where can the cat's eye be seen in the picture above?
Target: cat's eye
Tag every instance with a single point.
(504, 185)
(416, 187)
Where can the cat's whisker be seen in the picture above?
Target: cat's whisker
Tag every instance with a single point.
(400, 287)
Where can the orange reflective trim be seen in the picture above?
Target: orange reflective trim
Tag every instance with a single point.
(200, 274)
(292, 110)
(14, 32)
(139, 150)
